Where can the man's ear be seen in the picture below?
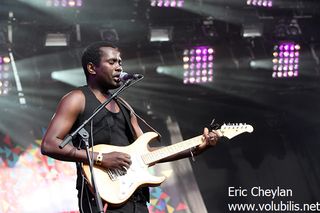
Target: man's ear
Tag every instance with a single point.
(91, 68)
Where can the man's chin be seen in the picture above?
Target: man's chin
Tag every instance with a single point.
(115, 85)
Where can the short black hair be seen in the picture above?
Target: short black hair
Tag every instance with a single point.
(92, 54)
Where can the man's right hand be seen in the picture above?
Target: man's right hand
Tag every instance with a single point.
(116, 160)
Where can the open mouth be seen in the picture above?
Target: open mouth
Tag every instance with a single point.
(116, 78)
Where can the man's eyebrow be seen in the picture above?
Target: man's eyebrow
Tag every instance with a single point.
(114, 59)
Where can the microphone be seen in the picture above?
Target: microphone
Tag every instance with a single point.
(127, 76)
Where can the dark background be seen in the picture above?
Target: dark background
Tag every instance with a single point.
(283, 149)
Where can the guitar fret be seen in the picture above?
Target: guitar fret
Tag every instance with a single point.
(171, 150)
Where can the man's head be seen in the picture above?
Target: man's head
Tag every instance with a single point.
(102, 65)
(92, 54)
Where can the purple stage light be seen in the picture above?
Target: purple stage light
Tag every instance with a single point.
(260, 3)
(204, 58)
(286, 60)
(167, 3)
(199, 69)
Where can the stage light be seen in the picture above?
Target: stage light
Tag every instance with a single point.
(109, 34)
(4, 59)
(287, 28)
(286, 60)
(198, 65)
(56, 39)
(166, 3)
(160, 34)
(208, 27)
(260, 3)
(64, 3)
(293, 28)
(4, 79)
(252, 30)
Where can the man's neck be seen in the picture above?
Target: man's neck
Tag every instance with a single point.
(99, 91)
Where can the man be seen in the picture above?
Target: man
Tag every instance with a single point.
(102, 65)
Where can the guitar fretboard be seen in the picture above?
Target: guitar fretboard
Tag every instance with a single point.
(162, 153)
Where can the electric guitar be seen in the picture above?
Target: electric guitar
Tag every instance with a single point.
(116, 186)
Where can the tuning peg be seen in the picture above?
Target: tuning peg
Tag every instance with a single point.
(214, 126)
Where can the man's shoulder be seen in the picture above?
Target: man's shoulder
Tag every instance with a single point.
(75, 95)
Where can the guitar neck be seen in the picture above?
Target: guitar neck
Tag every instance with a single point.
(229, 131)
(168, 151)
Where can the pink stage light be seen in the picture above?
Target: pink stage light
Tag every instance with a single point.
(167, 3)
(260, 3)
(198, 65)
(286, 60)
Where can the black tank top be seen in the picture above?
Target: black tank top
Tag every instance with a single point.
(108, 128)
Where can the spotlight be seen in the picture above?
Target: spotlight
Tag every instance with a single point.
(294, 28)
(286, 60)
(64, 3)
(56, 39)
(160, 34)
(4, 59)
(167, 3)
(260, 3)
(109, 34)
(208, 27)
(252, 30)
(5, 85)
(198, 65)
(287, 28)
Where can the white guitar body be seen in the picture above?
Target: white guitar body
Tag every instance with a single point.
(118, 189)
(115, 186)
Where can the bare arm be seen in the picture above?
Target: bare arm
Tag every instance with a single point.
(67, 112)
(70, 106)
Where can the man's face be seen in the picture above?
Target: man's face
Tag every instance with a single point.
(108, 71)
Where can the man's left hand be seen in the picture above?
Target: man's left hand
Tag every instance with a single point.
(210, 138)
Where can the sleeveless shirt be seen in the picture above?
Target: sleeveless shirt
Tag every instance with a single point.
(108, 128)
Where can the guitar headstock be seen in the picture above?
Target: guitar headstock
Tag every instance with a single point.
(232, 130)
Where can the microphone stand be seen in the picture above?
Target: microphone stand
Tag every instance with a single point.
(85, 136)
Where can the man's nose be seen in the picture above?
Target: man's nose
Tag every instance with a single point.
(119, 68)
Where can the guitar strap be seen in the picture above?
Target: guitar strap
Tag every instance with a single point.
(124, 104)
(127, 118)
